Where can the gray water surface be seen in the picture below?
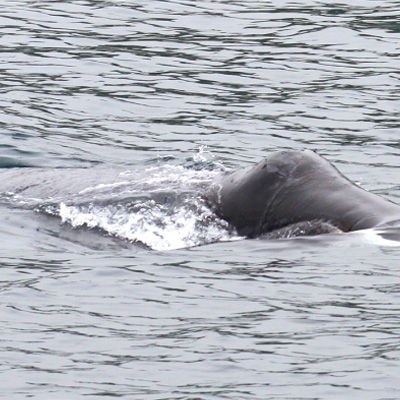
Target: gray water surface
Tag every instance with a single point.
(185, 89)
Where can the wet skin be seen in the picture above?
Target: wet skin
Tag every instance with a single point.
(296, 187)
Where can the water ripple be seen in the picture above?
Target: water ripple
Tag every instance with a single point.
(147, 75)
(134, 83)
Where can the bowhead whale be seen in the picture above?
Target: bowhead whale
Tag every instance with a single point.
(297, 191)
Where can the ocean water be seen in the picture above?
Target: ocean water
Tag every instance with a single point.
(116, 278)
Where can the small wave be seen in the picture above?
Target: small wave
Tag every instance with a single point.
(157, 226)
(384, 236)
(161, 207)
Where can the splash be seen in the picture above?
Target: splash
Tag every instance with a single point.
(156, 225)
(160, 207)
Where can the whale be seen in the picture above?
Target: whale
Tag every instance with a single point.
(296, 193)
(290, 193)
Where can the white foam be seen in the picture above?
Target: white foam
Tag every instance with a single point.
(153, 224)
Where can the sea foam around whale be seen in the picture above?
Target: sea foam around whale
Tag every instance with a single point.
(162, 208)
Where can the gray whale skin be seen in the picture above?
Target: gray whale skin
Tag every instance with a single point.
(296, 193)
